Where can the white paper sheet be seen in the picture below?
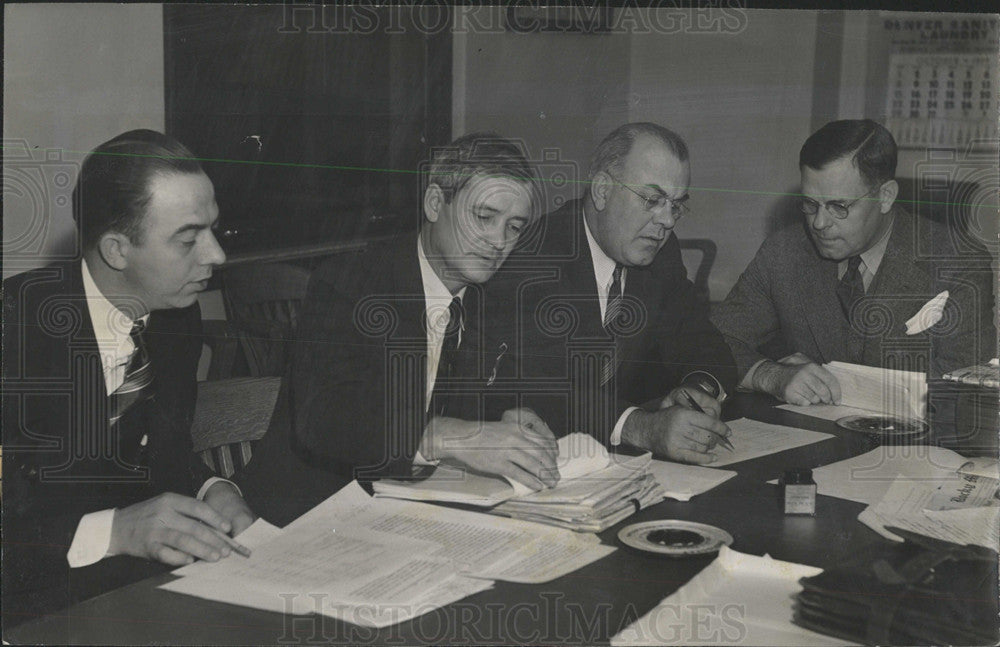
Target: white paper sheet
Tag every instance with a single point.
(681, 482)
(738, 599)
(579, 455)
(831, 412)
(897, 393)
(752, 438)
(961, 511)
(866, 478)
(477, 543)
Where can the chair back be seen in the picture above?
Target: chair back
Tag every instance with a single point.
(707, 250)
(262, 304)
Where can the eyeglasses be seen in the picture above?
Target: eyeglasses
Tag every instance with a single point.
(656, 203)
(836, 208)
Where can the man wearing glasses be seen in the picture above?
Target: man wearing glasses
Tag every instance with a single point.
(860, 281)
(607, 326)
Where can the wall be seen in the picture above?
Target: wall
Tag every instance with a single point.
(740, 92)
(743, 102)
(557, 91)
(75, 75)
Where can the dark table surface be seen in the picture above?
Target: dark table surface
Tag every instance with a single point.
(585, 607)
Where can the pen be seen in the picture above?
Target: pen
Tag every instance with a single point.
(235, 545)
(694, 405)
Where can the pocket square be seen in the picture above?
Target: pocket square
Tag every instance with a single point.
(929, 314)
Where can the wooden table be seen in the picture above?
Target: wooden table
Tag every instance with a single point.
(586, 607)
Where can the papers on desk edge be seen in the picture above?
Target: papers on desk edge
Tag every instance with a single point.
(866, 478)
(868, 390)
(738, 599)
(962, 510)
(379, 562)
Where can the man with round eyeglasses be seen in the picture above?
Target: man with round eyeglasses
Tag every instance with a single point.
(608, 334)
(860, 280)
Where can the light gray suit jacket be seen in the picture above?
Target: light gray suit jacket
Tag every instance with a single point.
(785, 301)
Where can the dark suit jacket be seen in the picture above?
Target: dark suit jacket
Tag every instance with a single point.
(358, 373)
(548, 296)
(788, 295)
(61, 459)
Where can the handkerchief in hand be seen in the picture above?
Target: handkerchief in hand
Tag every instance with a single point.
(929, 314)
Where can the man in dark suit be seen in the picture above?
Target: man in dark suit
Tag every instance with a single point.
(859, 281)
(387, 369)
(100, 360)
(605, 323)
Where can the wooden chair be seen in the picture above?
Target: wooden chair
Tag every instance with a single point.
(229, 416)
(262, 304)
(708, 250)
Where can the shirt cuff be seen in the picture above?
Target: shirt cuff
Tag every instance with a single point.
(616, 434)
(746, 384)
(420, 461)
(92, 539)
(212, 480)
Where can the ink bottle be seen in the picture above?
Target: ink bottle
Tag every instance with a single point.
(800, 492)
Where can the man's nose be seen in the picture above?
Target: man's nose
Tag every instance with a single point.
(822, 220)
(665, 217)
(213, 254)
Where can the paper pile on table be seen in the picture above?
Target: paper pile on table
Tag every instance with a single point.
(379, 562)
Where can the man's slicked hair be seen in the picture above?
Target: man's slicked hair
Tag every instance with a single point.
(612, 151)
(113, 189)
(868, 144)
(480, 153)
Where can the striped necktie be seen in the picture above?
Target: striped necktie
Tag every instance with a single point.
(138, 377)
(614, 306)
(612, 312)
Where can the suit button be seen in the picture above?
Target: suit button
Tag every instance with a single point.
(143, 440)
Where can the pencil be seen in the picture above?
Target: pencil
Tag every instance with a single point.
(694, 405)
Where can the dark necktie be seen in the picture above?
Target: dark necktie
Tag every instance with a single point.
(612, 312)
(613, 309)
(449, 354)
(851, 287)
(138, 377)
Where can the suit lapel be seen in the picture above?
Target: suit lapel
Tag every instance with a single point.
(900, 286)
(819, 305)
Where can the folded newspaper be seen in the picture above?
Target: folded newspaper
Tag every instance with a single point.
(594, 492)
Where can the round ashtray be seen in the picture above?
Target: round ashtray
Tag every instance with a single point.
(886, 428)
(674, 538)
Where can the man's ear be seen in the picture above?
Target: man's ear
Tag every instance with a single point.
(887, 195)
(115, 248)
(433, 202)
(600, 185)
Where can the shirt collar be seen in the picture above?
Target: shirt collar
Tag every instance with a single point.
(604, 265)
(111, 325)
(872, 257)
(435, 292)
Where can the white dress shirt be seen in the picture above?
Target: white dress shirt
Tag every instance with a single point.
(604, 268)
(437, 298)
(112, 328)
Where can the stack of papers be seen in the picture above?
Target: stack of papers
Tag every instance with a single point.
(869, 390)
(594, 492)
(379, 562)
(738, 599)
(592, 502)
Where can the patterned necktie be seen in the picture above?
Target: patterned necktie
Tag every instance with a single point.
(449, 353)
(138, 377)
(612, 312)
(851, 287)
(614, 306)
